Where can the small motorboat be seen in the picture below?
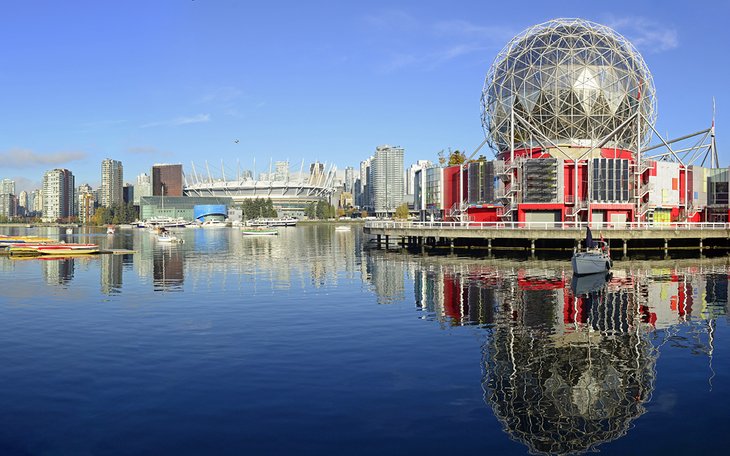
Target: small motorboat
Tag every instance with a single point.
(596, 257)
(208, 224)
(167, 238)
(258, 231)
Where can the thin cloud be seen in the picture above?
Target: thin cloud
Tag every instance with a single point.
(645, 34)
(24, 158)
(222, 95)
(199, 118)
(145, 150)
(454, 38)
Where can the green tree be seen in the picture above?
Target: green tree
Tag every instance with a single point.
(401, 212)
(456, 158)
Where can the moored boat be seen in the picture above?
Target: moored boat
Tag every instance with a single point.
(166, 237)
(596, 258)
(213, 224)
(9, 240)
(109, 229)
(258, 231)
(52, 249)
(342, 228)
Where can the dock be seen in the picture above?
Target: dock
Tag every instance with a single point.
(532, 236)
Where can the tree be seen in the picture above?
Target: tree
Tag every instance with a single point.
(456, 158)
(401, 212)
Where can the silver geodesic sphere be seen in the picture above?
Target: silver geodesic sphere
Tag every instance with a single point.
(574, 81)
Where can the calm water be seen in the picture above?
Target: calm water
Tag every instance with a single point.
(310, 343)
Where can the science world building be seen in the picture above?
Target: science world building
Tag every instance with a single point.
(569, 108)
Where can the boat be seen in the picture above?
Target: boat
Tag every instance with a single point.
(60, 248)
(165, 222)
(596, 258)
(286, 221)
(213, 224)
(69, 231)
(258, 231)
(342, 228)
(109, 229)
(167, 238)
(6, 240)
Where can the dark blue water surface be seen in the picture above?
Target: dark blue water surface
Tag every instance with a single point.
(310, 343)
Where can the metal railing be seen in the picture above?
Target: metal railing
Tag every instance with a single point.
(608, 226)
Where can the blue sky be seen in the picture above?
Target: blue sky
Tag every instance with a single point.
(180, 80)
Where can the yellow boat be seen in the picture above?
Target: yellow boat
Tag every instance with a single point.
(53, 249)
(6, 240)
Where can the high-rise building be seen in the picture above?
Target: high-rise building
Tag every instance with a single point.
(410, 177)
(86, 203)
(7, 187)
(143, 187)
(58, 195)
(281, 171)
(167, 180)
(349, 182)
(387, 179)
(8, 200)
(23, 208)
(362, 197)
(128, 193)
(112, 177)
(8, 205)
(36, 201)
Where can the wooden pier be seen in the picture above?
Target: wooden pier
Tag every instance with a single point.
(532, 236)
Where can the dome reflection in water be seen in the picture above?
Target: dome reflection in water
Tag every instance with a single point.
(568, 363)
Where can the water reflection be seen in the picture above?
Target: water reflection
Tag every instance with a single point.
(569, 363)
(57, 271)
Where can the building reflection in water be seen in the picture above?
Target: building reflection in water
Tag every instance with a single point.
(57, 271)
(168, 269)
(569, 363)
(111, 274)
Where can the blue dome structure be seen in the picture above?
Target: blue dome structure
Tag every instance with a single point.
(206, 212)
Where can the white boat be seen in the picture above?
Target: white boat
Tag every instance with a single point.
(288, 221)
(69, 231)
(258, 231)
(109, 230)
(213, 224)
(596, 257)
(168, 238)
(342, 228)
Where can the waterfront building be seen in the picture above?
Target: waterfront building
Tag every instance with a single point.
(387, 179)
(410, 179)
(575, 141)
(187, 208)
(349, 180)
(143, 187)
(8, 205)
(58, 195)
(36, 201)
(7, 187)
(23, 208)
(128, 193)
(362, 196)
(112, 180)
(167, 180)
(86, 203)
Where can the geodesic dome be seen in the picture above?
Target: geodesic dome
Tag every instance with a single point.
(574, 81)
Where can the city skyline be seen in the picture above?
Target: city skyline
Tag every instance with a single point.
(206, 92)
